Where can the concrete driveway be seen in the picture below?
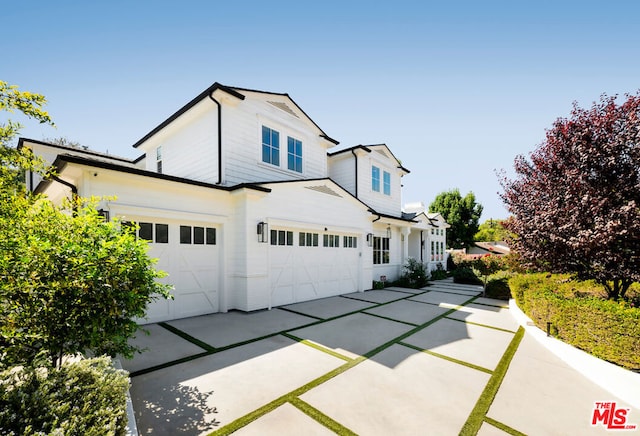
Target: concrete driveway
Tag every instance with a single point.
(438, 360)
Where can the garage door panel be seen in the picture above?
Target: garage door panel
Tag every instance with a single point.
(315, 272)
(193, 271)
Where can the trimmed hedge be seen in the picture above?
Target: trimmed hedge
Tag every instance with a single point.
(609, 330)
(87, 397)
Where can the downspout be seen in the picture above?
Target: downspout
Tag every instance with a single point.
(421, 246)
(219, 138)
(356, 162)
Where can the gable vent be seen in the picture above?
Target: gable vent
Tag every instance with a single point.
(283, 107)
(324, 189)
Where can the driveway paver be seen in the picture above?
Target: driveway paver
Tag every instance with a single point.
(435, 361)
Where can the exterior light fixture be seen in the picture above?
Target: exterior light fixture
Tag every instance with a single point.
(104, 214)
(263, 232)
(370, 239)
(389, 232)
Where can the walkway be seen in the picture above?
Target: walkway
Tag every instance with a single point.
(438, 360)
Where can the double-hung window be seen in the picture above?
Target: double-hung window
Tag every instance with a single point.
(294, 154)
(380, 250)
(270, 146)
(159, 159)
(386, 183)
(375, 178)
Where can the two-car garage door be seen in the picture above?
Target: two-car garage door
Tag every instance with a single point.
(189, 253)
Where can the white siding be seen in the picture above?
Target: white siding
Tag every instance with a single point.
(389, 204)
(342, 171)
(242, 143)
(189, 145)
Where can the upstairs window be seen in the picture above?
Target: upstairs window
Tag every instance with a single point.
(375, 178)
(159, 159)
(270, 146)
(294, 154)
(386, 183)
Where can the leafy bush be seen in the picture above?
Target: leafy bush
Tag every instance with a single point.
(439, 273)
(69, 281)
(87, 397)
(465, 274)
(414, 274)
(498, 286)
(607, 329)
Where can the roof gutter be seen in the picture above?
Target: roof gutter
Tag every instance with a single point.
(219, 136)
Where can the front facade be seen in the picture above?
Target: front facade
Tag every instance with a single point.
(246, 208)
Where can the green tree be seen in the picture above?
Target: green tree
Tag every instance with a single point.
(12, 161)
(491, 230)
(462, 214)
(69, 281)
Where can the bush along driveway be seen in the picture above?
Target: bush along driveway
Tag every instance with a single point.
(437, 360)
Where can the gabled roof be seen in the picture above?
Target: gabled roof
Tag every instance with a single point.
(233, 91)
(76, 150)
(64, 159)
(369, 149)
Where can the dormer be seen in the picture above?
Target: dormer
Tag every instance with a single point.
(371, 173)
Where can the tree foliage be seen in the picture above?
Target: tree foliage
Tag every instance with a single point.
(461, 213)
(491, 230)
(576, 201)
(69, 281)
(13, 161)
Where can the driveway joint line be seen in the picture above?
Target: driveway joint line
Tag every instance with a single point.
(504, 427)
(448, 358)
(320, 417)
(390, 319)
(483, 325)
(252, 416)
(300, 313)
(481, 408)
(318, 347)
(187, 336)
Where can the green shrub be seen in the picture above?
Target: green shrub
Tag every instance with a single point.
(607, 329)
(414, 274)
(87, 397)
(439, 273)
(465, 275)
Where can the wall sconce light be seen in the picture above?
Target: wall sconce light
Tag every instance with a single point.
(104, 214)
(389, 232)
(370, 239)
(263, 232)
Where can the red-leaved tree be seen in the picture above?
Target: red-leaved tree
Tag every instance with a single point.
(576, 201)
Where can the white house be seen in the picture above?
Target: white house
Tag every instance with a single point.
(246, 208)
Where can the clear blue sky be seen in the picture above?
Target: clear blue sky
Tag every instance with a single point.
(456, 89)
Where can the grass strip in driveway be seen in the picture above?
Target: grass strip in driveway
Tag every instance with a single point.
(482, 325)
(505, 428)
(317, 347)
(186, 336)
(292, 396)
(479, 412)
(450, 359)
(323, 419)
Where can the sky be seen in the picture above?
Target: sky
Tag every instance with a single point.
(456, 89)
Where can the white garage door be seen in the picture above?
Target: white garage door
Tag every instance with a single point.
(189, 253)
(307, 266)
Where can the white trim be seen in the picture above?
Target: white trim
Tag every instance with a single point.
(121, 209)
(618, 381)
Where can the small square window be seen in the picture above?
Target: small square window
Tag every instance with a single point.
(185, 234)
(198, 235)
(162, 233)
(211, 236)
(145, 231)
